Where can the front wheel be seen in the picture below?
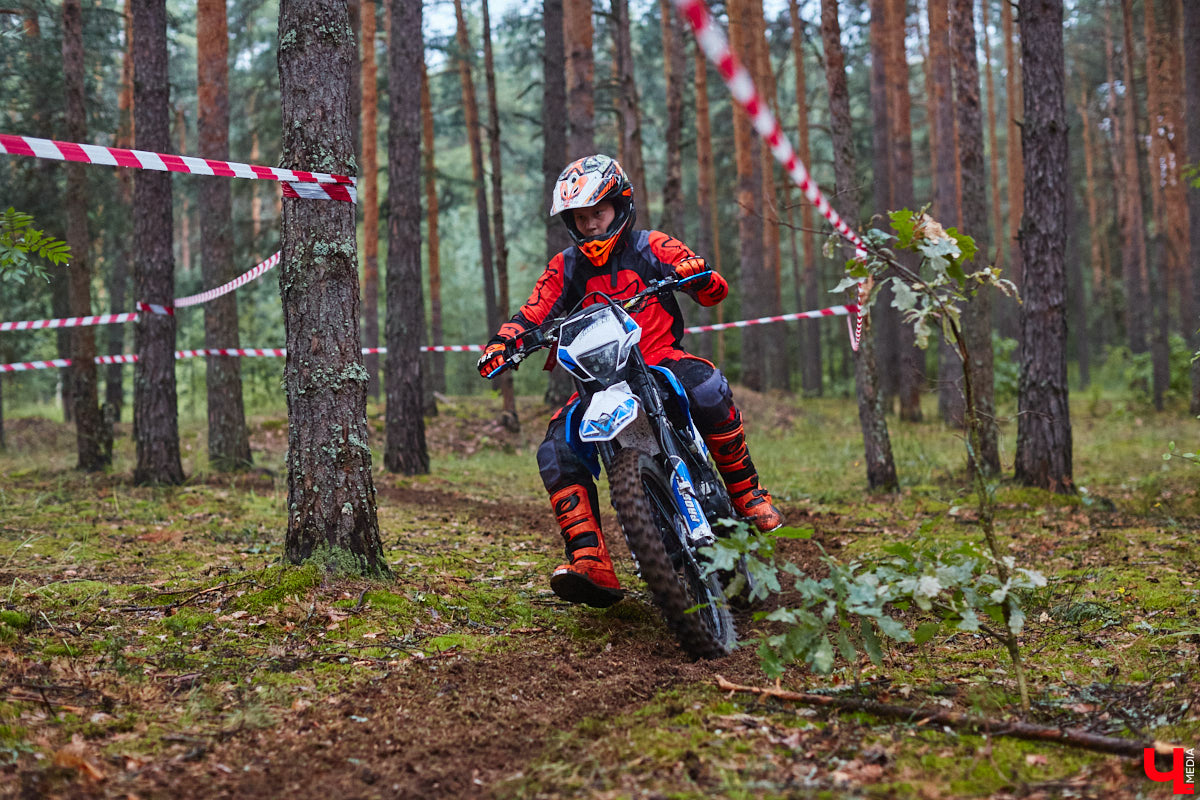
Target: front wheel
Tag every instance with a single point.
(654, 528)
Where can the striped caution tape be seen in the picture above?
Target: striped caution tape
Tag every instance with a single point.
(716, 47)
(295, 183)
(260, 352)
(182, 302)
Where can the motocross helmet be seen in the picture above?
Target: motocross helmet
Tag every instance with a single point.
(583, 184)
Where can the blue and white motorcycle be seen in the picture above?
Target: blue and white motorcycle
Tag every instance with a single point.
(634, 418)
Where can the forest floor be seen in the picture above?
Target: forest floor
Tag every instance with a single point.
(153, 645)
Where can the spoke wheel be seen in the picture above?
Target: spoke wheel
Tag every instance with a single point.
(651, 521)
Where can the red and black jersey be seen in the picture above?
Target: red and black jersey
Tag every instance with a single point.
(650, 255)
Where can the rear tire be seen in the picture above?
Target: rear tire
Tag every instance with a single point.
(648, 515)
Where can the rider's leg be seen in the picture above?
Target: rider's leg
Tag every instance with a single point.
(588, 575)
(720, 423)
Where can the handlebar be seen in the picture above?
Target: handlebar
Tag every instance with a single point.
(545, 335)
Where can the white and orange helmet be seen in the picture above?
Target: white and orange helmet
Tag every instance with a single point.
(583, 184)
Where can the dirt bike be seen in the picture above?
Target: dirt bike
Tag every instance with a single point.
(635, 417)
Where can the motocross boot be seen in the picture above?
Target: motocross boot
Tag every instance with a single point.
(728, 447)
(588, 577)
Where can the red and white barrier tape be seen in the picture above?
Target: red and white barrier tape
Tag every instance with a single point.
(715, 46)
(68, 322)
(260, 352)
(296, 183)
(240, 280)
(832, 311)
(182, 302)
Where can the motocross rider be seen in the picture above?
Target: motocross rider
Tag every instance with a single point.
(594, 199)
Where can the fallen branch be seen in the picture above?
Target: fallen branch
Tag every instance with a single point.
(953, 719)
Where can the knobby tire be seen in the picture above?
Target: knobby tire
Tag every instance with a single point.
(629, 474)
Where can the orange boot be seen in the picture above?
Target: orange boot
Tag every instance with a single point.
(589, 577)
(728, 447)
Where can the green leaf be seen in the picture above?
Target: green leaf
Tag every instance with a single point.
(893, 629)
(848, 282)
(925, 632)
(846, 647)
(903, 297)
(787, 532)
(821, 657)
(965, 244)
(871, 641)
(904, 222)
(769, 660)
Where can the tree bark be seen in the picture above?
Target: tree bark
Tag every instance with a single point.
(1099, 275)
(554, 155)
(995, 256)
(581, 104)
(369, 183)
(945, 190)
(228, 438)
(505, 381)
(977, 313)
(810, 363)
(673, 66)
(331, 496)
(1133, 221)
(777, 372)
(749, 210)
(1166, 151)
(1009, 316)
(185, 209)
(911, 379)
(881, 467)
(118, 279)
(885, 320)
(155, 418)
(405, 449)
(629, 110)
(82, 372)
(708, 233)
(436, 361)
(1043, 456)
(1191, 54)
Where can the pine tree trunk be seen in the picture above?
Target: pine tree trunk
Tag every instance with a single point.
(1191, 54)
(1009, 316)
(912, 359)
(118, 279)
(629, 110)
(369, 185)
(554, 154)
(749, 211)
(185, 206)
(331, 496)
(228, 438)
(810, 363)
(1133, 223)
(945, 191)
(885, 319)
(996, 257)
(1043, 456)
(155, 417)
(1100, 297)
(505, 381)
(1164, 73)
(436, 361)
(977, 313)
(777, 373)
(673, 77)
(405, 450)
(881, 467)
(581, 104)
(708, 234)
(82, 372)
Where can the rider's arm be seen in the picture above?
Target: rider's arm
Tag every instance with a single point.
(677, 257)
(543, 303)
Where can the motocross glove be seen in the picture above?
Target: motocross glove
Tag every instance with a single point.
(492, 359)
(707, 290)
